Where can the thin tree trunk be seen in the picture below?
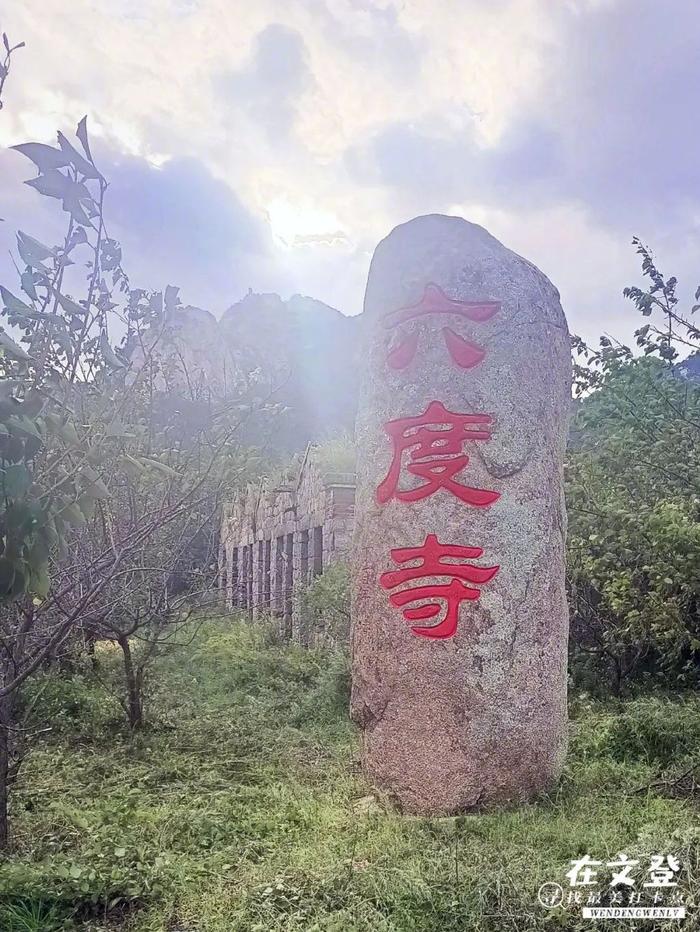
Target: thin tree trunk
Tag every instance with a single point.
(134, 700)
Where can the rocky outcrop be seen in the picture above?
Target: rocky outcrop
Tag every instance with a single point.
(300, 353)
(295, 358)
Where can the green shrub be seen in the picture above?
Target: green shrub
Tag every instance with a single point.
(656, 730)
(652, 730)
(242, 658)
(634, 535)
(329, 698)
(72, 704)
(325, 607)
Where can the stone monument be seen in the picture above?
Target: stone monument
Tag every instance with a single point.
(459, 609)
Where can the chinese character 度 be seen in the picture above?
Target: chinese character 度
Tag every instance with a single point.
(434, 441)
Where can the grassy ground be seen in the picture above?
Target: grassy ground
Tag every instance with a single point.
(242, 808)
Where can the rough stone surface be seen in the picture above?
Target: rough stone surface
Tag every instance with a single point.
(478, 718)
(300, 353)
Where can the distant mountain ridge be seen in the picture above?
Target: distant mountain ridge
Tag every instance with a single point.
(300, 353)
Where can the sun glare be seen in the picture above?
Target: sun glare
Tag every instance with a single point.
(295, 225)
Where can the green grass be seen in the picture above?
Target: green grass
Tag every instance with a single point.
(243, 808)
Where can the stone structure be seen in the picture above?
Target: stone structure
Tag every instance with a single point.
(459, 609)
(276, 537)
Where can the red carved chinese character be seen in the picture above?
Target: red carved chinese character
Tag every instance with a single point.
(434, 440)
(434, 301)
(430, 557)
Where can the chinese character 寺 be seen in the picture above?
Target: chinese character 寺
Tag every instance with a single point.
(430, 557)
(434, 301)
(434, 442)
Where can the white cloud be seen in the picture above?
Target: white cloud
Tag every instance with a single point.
(164, 80)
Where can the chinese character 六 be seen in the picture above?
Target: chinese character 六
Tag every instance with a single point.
(663, 876)
(434, 442)
(428, 560)
(582, 873)
(434, 301)
(622, 876)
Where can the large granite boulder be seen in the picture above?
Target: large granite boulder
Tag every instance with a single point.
(459, 608)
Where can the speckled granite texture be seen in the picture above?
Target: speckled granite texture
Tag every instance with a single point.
(479, 718)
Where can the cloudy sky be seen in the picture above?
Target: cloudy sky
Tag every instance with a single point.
(271, 144)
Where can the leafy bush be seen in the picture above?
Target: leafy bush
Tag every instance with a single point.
(329, 698)
(633, 494)
(242, 658)
(325, 607)
(634, 536)
(71, 705)
(336, 454)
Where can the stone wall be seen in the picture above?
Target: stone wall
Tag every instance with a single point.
(276, 538)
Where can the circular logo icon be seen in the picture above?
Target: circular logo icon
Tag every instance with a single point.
(550, 895)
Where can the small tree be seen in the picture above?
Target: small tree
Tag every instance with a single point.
(146, 605)
(91, 473)
(633, 487)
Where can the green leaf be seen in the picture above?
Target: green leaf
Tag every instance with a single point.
(83, 166)
(82, 135)
(16, 480)
(37, 249)
(97, 489)
(32, 252)
(53, 184)
(86, 504)
(13, 349)
(40, 582)
(44, 157)
(77, 199)
(18, 422)
(132, 467)
(159, 467)
(49, 534)
(108, 353)
(69, 434)
(73, 515)
(63, 340)
(79, 236)
(13, 304)
(27, 279)
(7, 576)
(70, 306)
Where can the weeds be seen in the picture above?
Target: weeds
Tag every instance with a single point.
(242, 808)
